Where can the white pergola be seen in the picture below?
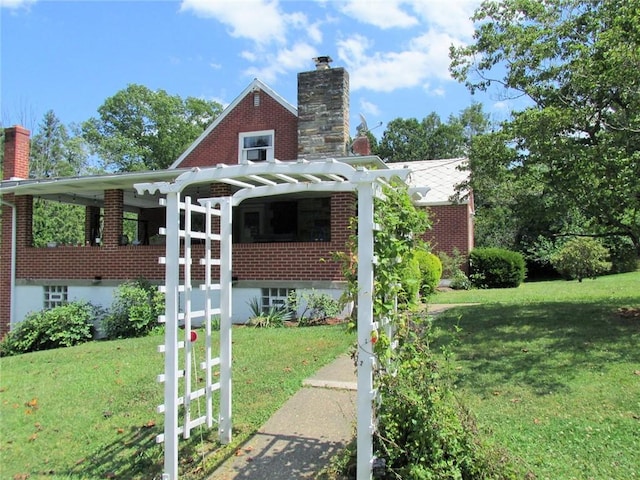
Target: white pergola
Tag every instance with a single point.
(252, 180)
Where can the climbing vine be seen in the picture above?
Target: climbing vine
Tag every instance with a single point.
(422, 431)
(400, 229)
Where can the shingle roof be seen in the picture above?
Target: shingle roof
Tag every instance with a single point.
(440, 176)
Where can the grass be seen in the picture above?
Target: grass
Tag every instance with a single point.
(89, 412)
(552, 372)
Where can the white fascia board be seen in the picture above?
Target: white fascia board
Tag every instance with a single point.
(88, 183)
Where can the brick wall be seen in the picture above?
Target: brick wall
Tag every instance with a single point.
(298, 261)
(5, 264)
(221, 145)
(16, 165)
(452, 228)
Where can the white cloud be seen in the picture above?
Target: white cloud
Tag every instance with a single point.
(258, 20)
(369, 108)
(282, 61)
(382, 14)
(15, 4)
(425, 57)
(434, 91)
(501, 105)
(450, 16)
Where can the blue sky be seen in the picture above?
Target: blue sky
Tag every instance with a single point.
(69, 56)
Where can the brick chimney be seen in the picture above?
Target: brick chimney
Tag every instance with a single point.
(16, 153)
(323, 111)
(361, 146)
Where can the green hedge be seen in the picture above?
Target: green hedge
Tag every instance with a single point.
(496, 268)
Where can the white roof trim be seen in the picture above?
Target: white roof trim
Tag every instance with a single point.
(255, 84)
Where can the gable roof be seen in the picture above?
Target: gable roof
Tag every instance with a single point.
(255, 85)
(440, 176)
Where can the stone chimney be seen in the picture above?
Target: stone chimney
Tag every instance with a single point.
(16, 153)
(323, 111)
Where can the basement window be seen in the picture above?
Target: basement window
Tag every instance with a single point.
(256, 146)
(275, 298)
(55, 296)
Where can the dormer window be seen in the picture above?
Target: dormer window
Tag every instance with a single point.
(256, 146)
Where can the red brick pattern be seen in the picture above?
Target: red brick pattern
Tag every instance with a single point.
(452, 228)
(16, 153)
(221, 145)
(5, 261)
(113, 211)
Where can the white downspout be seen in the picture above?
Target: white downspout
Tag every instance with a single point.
(12, 298)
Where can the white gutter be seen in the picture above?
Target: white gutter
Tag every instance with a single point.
(12, 296)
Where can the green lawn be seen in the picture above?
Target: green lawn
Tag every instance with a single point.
(89, 412)
(552, 371)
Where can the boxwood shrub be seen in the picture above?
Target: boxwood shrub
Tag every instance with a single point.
(496, 268)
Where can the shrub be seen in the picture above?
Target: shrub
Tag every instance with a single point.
(460, 281)
(63, 326)
(274, 316)
(451, 265)
(581, 257)
(496, 268)
(430, 271)
(423, 430)
(316, 307)
(623, 255)
(135, 310)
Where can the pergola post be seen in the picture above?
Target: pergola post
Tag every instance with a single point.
(225, 320)
(172, 283)
(365, 356)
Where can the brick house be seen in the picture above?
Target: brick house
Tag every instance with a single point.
(279, 243)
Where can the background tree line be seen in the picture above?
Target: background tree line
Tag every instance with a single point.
(566, 165)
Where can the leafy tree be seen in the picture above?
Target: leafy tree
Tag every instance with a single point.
(431, 138)
(570, 161)
(142, 129)
(581, 257)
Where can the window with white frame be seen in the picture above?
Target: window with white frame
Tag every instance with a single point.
(275, 297)
(256, 146)
(55, 295)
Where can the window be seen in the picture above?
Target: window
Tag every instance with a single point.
(283, 219)
(275, 297)
(256, 146)
(55, 295)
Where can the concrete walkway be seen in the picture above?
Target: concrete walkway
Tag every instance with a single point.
(308, 430)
